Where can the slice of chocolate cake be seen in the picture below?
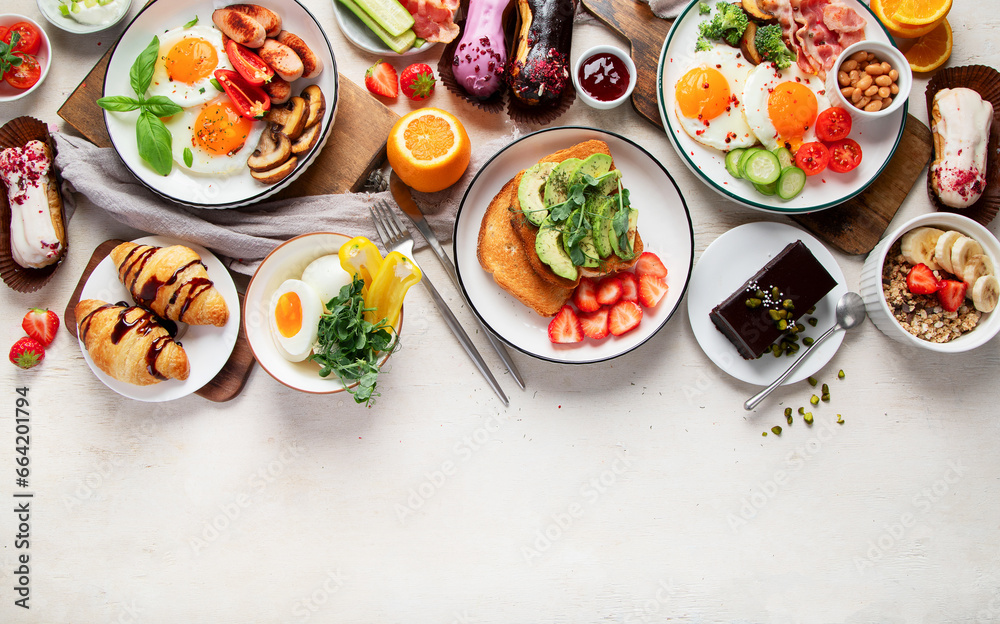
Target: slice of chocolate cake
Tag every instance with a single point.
(770, 303)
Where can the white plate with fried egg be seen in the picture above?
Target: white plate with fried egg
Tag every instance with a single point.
(738, 120)
(217, 176)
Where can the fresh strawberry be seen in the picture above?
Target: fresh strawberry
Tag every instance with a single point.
(952, 294)
(595, 324)
(380, 79)
(630, 286)
(921, 280)
(651, 290)
(649, 264)
(609, 290)
(27, 353)
(585, 295)
(41, 325)
(624, 317)
(565, 327)
(417, 81)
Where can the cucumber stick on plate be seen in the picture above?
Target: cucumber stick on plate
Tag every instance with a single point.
(388, 19)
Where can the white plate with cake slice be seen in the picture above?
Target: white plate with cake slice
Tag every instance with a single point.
(730, 261)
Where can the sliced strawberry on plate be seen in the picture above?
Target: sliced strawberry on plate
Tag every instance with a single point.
(952, 294)
(381, 79)
(585, 295)
(565, 327)
(417, 81)
(624, 317)
(595, 324)
(41, 325)
(921, 280)
(27, 353)
(609, 290)
(649, 264)
(630, 286)
(651, 290)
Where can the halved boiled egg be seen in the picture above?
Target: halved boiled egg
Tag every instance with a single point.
(185, 64)
(781, 105)
(218, 138)
(294, 319)
(326, 276)
(708, 102)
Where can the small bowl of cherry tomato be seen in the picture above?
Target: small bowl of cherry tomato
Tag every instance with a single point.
(25, 62)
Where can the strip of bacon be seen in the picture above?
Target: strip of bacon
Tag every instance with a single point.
(817, 30)
(434, 20)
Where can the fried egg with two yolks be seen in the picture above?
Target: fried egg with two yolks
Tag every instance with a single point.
(781, 105)
(707, 100)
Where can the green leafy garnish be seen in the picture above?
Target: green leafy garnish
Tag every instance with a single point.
(188, 157)
(192, 22)
(349, 345)
(151, 135)
(215, 83)
(7, 57)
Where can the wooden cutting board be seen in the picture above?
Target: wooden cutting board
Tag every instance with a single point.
(355, 147)
(853, 227)
(224, 386)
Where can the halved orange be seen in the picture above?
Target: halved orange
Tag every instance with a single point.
(885, 9)
(931, 50)
(429, 149)
(921, 12)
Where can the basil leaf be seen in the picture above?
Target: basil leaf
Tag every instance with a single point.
(118, 103)
(154, 140)
(188, 157)
(142, 69)
(215, 83)
(161, 106)
(192, 22)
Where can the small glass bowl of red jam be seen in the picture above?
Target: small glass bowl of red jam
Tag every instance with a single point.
(604, 76)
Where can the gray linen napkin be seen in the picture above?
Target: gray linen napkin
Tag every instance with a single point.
(667, 9)
(244, 236)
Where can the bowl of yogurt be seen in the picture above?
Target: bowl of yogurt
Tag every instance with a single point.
(84, 16)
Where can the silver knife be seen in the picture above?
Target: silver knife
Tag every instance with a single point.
(401, 193)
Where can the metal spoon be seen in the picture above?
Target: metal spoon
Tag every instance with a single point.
(850, 313)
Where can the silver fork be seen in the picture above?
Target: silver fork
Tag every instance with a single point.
(395, 237)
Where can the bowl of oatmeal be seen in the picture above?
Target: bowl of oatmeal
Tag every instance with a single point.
(916, 297)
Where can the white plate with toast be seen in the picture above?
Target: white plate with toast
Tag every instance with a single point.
(664, 224)
(208, 347)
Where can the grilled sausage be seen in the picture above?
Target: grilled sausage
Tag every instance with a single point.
(282, 59)
(312, 65)
(239, 27)
(267, 18)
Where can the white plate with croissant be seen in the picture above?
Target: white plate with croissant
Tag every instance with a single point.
(136, 353)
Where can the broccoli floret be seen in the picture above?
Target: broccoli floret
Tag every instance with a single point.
(702, 45)
(771, 47)
(728, 24)
(704, 8)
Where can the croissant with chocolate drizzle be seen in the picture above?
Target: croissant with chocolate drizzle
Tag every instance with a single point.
(172, 282)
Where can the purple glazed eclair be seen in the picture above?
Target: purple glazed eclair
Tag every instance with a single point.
(481, 57)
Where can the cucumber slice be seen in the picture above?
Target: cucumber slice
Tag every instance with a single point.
(733, 162)
(766, 189)
(397, 44)
(791, 182)
(419, 42)
(762, 168)
(744, 157)
(784, 155)
(390, 15)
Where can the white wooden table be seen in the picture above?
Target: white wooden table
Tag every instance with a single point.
(636, 490)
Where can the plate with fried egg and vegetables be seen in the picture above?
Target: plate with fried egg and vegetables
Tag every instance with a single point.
(769, 135)
(215, 125)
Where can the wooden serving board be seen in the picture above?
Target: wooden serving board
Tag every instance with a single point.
(224, 386)
(355, 147)
(855, 226)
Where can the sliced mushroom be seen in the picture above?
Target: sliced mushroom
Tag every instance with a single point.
(291, 117)
(313, 96)
(273, 149)
(279, 173)
(756, 11)
(748, 45)
(308, 139)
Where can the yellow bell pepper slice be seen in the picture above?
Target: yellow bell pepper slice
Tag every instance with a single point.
(394, 278)
(359, 256)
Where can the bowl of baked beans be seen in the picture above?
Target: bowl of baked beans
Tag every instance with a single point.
(870, 79)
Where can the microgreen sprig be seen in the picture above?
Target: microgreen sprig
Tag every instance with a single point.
(7, 57)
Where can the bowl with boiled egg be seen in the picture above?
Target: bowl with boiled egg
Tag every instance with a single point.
(284, 302)
(219, 149)
(716, 105)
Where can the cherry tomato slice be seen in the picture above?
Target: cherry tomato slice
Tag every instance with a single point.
(30, 40)
(845, 155)
(812, 158)
(833, 124)
(25, 75)
(3, 32)
(250, 100)
(248, 64)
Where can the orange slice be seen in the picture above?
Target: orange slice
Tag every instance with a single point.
(429, 149)
(921, 12)
(931, 50)
(885, 9)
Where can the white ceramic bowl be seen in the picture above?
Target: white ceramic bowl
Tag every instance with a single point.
(883, 52)
(878, 309)
(604, 49)
(44, 56)
(287, 261)
(50, 11)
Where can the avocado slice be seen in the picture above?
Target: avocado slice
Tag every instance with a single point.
(607, 184)
(548, 246)
(529, 192)
(629, 253)
(557, 184)
(595, 164)
(602, 208)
